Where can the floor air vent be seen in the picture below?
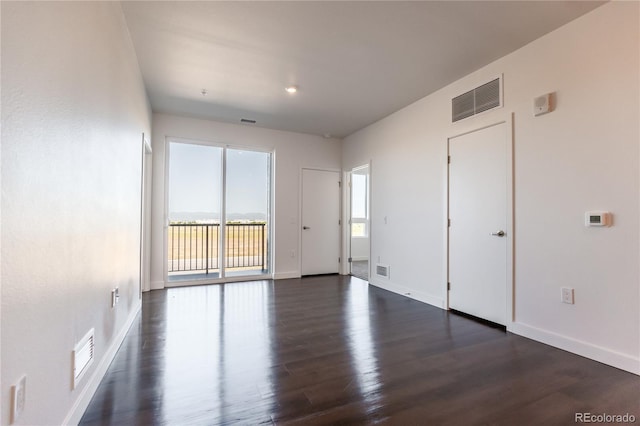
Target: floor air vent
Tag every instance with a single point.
(82, 357)
(382, 270)
(480, 99)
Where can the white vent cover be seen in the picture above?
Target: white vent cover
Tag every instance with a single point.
(382, 270)
(475, 101)
(82, 357)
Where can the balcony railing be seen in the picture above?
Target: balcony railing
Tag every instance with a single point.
(195, 247)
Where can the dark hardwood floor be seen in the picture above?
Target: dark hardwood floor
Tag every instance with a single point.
(332, 350)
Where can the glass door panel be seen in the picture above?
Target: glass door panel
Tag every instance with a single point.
(195, 189)
(247, 201)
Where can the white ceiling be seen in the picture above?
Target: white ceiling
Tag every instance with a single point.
(354, 62)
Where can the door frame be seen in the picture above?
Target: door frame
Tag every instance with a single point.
(341, 206)
(145, 259)
(510, 273)
(346, 219)
(270, 222)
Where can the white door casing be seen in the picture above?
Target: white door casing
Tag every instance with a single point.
(320, 246)
(479, 234)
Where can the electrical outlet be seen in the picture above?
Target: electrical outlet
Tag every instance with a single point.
(567, 295)
(18, 398)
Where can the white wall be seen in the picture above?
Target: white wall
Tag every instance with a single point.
(293, 151)
(360, 248)
(583, 156)
(73, 111)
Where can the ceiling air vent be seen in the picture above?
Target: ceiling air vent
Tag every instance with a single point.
(480, 99)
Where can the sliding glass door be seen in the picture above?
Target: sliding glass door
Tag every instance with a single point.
(219, 202)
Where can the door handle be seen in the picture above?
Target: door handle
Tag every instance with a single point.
(498, 234)
(305, 227)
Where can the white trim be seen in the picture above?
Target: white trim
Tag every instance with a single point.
(510, 273)
(345, 195)
(157, 285)
(146, 162)
(511, 211)
(215, 281)
(84, 397)
(585, 349)
(286, 275)
(360, 258)
(222, 238)
(165, 216)
(370, 183)
(420, 296)
(188, 283)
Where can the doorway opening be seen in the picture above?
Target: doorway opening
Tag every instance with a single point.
(359, 222)
(219, 213)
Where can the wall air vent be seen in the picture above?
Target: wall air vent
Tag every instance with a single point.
(247, 120)
(480, 99)
(382, 270)
(82, 357)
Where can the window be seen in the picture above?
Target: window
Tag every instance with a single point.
(359, 206)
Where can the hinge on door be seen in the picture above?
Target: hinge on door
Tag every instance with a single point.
(339, 184)
(339, 222)
(338, 260)
(449, 222)
(448, 159)
(448, 286)
(350, 260)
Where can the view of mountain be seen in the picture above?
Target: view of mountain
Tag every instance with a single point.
(214, 217)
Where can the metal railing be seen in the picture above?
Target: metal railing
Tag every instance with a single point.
(195, 247)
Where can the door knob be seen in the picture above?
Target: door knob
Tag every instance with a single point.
(498, 234)
(305, 227)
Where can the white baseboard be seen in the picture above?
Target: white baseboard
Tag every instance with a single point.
(157, 285)
(408, 292)
(286, 275)
(597, 353)
(85, 395)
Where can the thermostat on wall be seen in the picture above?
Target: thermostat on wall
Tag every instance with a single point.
(543, 104)
(597, 219)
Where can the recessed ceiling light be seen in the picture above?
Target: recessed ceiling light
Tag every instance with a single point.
(204, 92)
(291, 89)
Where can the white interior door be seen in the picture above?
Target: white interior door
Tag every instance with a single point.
(320, 222)
(478, 232)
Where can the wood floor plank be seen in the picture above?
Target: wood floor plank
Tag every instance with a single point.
(332, 350)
